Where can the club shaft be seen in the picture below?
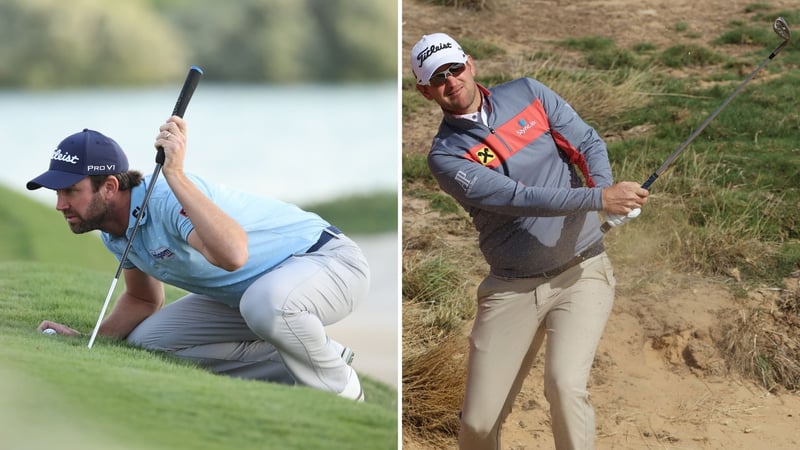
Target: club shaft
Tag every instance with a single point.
(702, 126)
(180, 108)
(103, 310)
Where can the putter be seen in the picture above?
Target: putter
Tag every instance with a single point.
(180, 108)
(781, 28)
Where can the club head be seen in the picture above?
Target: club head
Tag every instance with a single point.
(781, 28)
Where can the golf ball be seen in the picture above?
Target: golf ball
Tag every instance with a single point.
(49, 331)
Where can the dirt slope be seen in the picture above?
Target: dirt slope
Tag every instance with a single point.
(658, 382)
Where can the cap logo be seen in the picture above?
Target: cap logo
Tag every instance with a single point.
(66, 157)
(428, 52)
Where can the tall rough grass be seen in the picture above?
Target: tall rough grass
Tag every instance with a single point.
(599, 96)
(435, 300)
(703, 226)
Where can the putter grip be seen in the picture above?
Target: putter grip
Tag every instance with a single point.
(183, 101)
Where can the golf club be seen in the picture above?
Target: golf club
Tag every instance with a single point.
(781, 28)
(180, 108)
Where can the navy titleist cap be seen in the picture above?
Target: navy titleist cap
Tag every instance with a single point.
(79, 156)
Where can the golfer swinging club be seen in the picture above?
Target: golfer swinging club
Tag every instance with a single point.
(263, 277)
(508, 154)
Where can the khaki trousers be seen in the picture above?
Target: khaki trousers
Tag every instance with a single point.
(513, 317)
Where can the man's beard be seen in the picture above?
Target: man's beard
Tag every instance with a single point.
(96, 214)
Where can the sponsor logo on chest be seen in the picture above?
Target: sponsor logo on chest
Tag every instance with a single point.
(525, 126)
(162, 253)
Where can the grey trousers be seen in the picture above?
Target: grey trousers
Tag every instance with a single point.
(513, 317)
(277, 334)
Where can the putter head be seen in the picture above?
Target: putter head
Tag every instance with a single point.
(781, 28)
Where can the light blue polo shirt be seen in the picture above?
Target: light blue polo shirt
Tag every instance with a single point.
(275, 231)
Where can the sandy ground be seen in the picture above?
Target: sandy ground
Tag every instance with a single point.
(657, 382)
(372, 330)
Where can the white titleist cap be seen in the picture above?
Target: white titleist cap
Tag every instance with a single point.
(432, 52)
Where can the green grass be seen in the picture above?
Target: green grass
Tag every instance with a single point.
(589, 43)
(33, 232)
(689, 55)
(752, 35)
(361, 214)
(753, 7)
(132, 397)
(601, 52)
(415, 167)
(480, 49)
(644, 47)
(55, 389)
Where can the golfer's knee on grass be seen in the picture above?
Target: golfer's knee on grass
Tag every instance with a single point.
(145, 337)
(139, 340)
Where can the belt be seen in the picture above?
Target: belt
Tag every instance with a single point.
(593, 250)
(327, 234)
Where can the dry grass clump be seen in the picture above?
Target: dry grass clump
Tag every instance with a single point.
(763, 342)
(433, 389)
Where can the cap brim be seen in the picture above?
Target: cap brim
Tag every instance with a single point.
(55, 180)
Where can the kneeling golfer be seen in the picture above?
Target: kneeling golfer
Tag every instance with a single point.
(263, 277)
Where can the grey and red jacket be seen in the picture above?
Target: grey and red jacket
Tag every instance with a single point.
(526, 199)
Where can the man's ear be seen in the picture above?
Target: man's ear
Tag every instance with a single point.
(110, 186)
(424, 91)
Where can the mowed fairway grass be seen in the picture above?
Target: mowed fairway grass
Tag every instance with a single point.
(57, 393)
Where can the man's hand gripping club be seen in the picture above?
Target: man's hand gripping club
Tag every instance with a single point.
(623, 202)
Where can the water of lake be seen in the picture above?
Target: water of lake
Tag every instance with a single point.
(297, 143)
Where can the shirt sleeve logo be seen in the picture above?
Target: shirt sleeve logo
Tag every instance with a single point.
(463, 180)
